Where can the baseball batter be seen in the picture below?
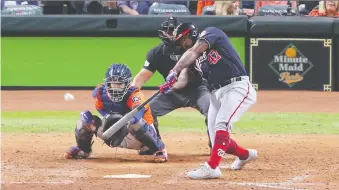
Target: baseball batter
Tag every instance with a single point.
(189, 91)
(113, 99)
(232, 93)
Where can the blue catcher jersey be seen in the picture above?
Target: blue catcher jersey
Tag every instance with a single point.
(104, 104)
(221, 61)
(132, 99)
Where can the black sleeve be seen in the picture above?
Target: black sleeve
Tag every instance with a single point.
(151, 61)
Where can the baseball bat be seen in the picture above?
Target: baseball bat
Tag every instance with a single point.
(119, 124)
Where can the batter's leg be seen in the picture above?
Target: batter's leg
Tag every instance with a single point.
(234, 103)
(235, 100)
(212, 113)
(206, 170)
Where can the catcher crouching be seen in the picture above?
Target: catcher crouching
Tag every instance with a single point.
(113, 99)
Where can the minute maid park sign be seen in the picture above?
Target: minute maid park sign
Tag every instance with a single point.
(290, 65)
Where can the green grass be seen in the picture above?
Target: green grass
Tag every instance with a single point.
(263, 123)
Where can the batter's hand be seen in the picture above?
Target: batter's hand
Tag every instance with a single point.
(165, 88)
(170, 80)
(172, 77)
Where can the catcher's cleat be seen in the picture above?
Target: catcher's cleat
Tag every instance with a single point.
(160, 156)
(239, 164)
(72, 152)
(75, 153)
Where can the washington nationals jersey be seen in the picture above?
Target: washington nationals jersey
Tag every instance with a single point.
(221, 61)
(163, 58)
(132, 99)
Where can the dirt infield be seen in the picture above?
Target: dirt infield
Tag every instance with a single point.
(34, 161)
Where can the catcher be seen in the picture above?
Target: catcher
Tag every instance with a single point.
(113, 99)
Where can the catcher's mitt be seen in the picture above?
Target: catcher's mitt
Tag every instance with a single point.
(118, 137)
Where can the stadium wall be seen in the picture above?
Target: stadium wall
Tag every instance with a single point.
(60, 52)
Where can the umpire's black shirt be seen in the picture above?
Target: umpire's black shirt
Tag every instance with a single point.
(162, 58)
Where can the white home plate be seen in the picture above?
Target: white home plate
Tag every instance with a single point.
(133, 176)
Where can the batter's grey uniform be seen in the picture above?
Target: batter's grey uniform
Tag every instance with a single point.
(195, 94)
(232, 93)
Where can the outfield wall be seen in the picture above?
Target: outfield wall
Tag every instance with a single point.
(74, 51)
(75, 62)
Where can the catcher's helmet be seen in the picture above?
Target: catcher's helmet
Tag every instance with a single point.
(117, 81)
(186, 28)
(167, 28)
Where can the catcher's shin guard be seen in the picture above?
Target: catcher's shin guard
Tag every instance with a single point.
(84, 135)
(146, 135)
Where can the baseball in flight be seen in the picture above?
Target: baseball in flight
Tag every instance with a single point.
(69, 97)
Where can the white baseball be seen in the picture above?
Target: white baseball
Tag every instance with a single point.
(69, 97)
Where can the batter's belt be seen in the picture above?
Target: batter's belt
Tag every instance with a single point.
(227, 82)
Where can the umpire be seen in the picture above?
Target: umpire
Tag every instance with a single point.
(189, 91)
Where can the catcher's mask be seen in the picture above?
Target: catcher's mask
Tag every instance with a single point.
(117, 81)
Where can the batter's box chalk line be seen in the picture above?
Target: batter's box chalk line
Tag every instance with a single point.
(266, 185)
(282, 185)
(225, 167)
(61, 182)
(127, 176)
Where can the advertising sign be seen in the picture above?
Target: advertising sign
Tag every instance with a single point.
(291, 63)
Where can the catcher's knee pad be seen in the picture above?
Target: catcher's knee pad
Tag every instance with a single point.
(117, 138)
(147, 135)
(130, 142)
(84, 136)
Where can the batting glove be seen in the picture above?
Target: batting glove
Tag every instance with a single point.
(165, 88)
(170, 80)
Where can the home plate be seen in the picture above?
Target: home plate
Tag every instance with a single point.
(130, 176)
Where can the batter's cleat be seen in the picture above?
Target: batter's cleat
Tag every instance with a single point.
(205, 172)
(239, 164)
(160, 156)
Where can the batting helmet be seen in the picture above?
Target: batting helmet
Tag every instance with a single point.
(167, 28)
(184, 29)
(117, 81)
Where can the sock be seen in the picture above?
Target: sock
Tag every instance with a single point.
(221, 143)
(236, 150)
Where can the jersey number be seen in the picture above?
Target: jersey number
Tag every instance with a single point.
(213, 57)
